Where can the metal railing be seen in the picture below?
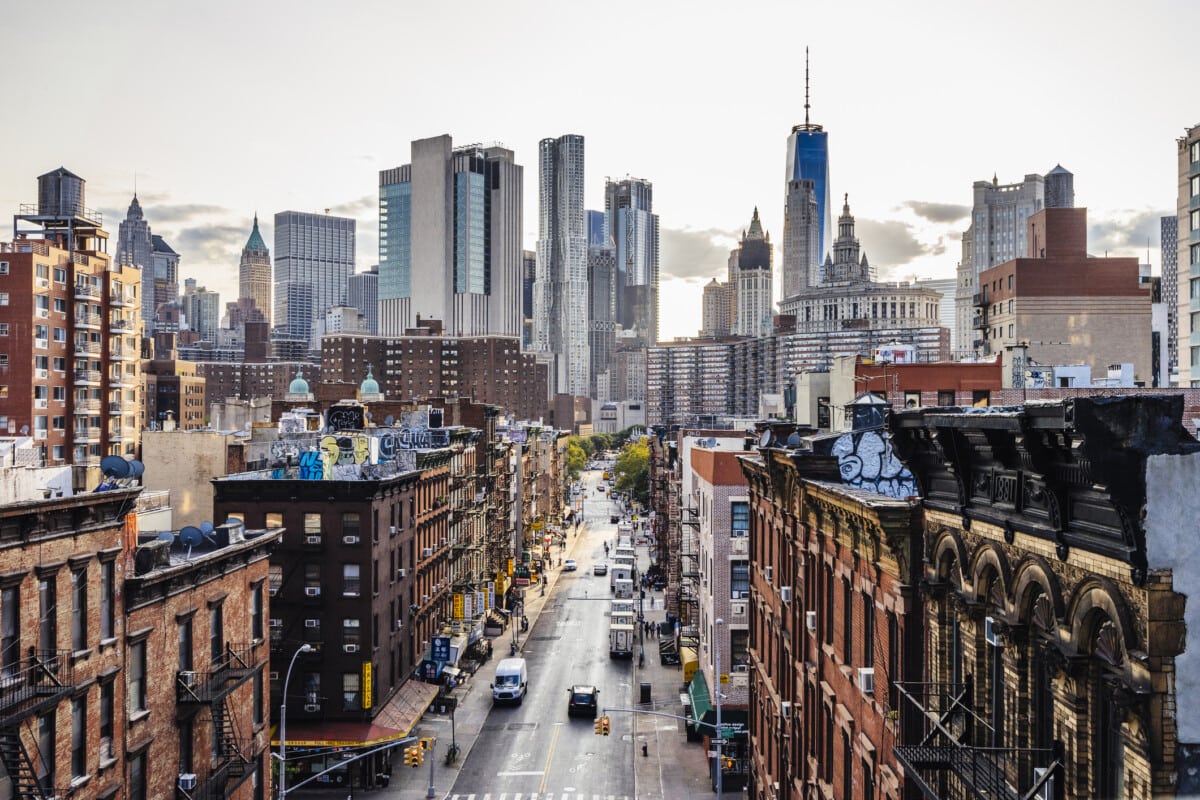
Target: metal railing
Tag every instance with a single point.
(38, 680)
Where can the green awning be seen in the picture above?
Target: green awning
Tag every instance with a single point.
(701, 701)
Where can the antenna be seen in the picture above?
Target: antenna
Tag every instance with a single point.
(190, 537)
(806, 85)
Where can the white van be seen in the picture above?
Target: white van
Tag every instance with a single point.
(511, 681)
(623, 589)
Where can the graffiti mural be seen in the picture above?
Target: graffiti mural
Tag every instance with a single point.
(345, 418)
(867, 461)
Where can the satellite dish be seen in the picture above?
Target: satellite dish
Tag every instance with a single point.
(765, 439)
(166, 536)
(794, 440)
(712, 441)
(191, 536)
(206, 527)
(114, 467)
(136, 468)
(388, 420)
(233, 521)
(24, 430)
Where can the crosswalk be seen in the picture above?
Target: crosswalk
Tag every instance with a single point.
(538, 796)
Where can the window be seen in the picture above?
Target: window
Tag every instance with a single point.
(980, 398)
(350, 632)
(256, 714)
(274, 520)
(312, 579)
(351, 525)
(256, 612)
(60, 364)
(46, 744)
(274, 578)
(137, 677)
(739, 579)
(186, 645)
(1194, 151)
(847, 766)
(79, 609)
(60, 334)
(60, 275)
(48, 613)
(107, 610)
(59, 423)
(1194, 219)
(79, 736)
(106, 721)
(187, 745)
(828, 606)
(60, 305)
(350, 691)
(3, 267)
(312, 524)
(137, 777)
(3, 298)
(739, 519)
(3, 329)
(10, 631)
(868, 792)
(868, 604)
(351, 585)
(216, 634)
(847, 625)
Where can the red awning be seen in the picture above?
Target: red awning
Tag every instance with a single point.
(393, 722)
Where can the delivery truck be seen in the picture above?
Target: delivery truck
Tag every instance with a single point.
(620, 638)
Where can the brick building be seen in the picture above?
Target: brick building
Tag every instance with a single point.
(175, 394)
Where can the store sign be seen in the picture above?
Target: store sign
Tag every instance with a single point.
(366, 684)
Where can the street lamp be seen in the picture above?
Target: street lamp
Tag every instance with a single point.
(304, 648)
(717, 623)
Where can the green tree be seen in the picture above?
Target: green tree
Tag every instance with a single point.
(633, 471)
(600, 442)
(577, 459)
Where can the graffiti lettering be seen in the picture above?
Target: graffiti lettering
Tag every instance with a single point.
(344, 418)
(312, 467)
(866, 461)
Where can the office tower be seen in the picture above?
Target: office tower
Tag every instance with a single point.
(450, 229)
(202, 310)
(528, 276)
(999, 213)
(314, 257)
(1169, 253)
(560, 301)
(135, 248)
(801, 238)
(632, 227)
(72, 357)
(1060, 188)
(750, 265)
(362, 292)
(808, 159)
(1188, 237)
(714, 309)
(254, 273)
(166, 280)
(595, 229)
(602, 303)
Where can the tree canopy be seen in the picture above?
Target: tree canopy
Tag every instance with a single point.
(633, 471)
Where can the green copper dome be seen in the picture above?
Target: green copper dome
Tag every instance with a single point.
(255, 242)
(298, 385)
(370, 385)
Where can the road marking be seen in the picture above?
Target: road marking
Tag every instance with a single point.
(549, 757)
(519, 774)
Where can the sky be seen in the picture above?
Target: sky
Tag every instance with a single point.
(219, 110)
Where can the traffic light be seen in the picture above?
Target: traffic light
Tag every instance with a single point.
(598, 725)
(411, 755)
(604, 725)
(419, 752)
(727, 763)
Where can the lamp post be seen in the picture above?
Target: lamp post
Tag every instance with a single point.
(304, 648)
(717, 623)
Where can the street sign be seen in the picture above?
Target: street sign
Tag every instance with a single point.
(725, 679)
(440, 648)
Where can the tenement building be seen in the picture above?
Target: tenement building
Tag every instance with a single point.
(1061, 645)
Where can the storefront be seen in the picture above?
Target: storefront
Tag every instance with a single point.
(701, 726)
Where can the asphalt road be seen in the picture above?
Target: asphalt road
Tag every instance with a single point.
(534, 748)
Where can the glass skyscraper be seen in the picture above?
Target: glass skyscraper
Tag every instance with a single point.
(808, 159)
(314, 257)
(632, 227)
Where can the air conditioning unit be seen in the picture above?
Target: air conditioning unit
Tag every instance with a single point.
(785, 709)
(445, 542)
(400, 573)
(785, 594)
(399, 624)
(741, 667)
(427, 552)
(768, 573)
(312, 591)
(350, 648)
(424, 599)
(312, 623)
(1047, 790)
(350, 540)
(187, 781)
(188, 679)
(810, 621)
(989, 632)
(312, 539)
(866, 680)
(274, 675)
(312, 707)
(738, 609)
(276, 622)
(392, 530)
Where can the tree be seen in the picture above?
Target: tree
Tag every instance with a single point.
(577, 459)
(633, 471)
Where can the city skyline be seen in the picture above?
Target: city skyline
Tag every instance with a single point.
(914, 118)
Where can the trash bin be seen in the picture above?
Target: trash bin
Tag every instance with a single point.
(645, 693)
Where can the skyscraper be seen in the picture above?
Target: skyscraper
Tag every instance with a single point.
(202, 309)
(450, 230)
(595, 229)
(801, 238)
(1169, 249)
(560, 298)
(362, 292)
(632, 227)
(135, 248)
(750, 268)
(254, 273)
(1188, 236)
(808, 159)
(166, 280)
(602, 309)
(314, 257)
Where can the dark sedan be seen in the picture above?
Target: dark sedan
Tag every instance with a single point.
(583, 701)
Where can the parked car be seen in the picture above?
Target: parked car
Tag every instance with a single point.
(614, 519)
(600, 569)
(569, 565)
(582, 700)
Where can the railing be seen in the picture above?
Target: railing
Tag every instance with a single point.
(87, 348)
(121, 325)
(37, 681)
(193, 686)
(87, 320)
(84, 291)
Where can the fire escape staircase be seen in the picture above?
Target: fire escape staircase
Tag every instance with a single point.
(689, 583)
(938, 745)
(214, 690)
(28, 689)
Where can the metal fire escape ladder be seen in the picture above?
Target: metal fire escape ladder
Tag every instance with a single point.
(18, 765)
(689, 590)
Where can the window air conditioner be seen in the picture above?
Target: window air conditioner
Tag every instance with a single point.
(785, 709)
(741, 667)
(274, 675)
(400, 573)
(392, 530)
(866, 680)
(312, 539)
(276, 622)
(350, 648)
(738, 609)
(400, 624)
(424, 599)
(768, 573)
(188, 679)
(810, 621)
(312, 591)
(785, 594)
(312, 707)
(350, 540)
(427, 552)
(187, 782)
(312, 623)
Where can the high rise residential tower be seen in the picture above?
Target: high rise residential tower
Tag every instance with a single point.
(1169, 253)
(314, 257)
(807, 160)
(632, 227)
(254, 272)
(560, 296)
(1188, 258)
(450, 229)
(362, 292)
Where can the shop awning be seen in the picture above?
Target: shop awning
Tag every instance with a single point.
(393, 722)
(700, 699)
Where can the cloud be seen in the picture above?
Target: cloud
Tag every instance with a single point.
(942, 213)
(696, 254)
(182, 212)
(210, 244)
(892, 244)
(1127, 232)
(367, 205)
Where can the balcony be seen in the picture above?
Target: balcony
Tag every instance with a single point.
(979, 321)
(87, 349)
(979, 299)
(122, 325)
(90, 406)
(33, 684)
(85, 291)
(87, 377)
(120, 380)
(236, 665)
(121, 300)
(87, 434)
(121, 354)
(89, 321)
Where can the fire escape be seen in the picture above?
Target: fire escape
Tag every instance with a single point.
(689, 584)
(31, 687)
(195, 691)
(949, 750)
(979, 323)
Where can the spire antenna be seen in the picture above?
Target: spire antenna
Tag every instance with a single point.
(806, 86)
